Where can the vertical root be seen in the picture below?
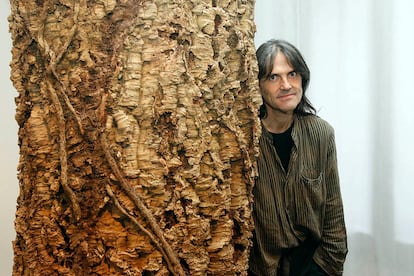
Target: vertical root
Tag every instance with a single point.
(63, 154)
(141, 228)
(170, 255)
(54, 60)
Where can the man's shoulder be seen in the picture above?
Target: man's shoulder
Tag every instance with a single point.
(315, 123)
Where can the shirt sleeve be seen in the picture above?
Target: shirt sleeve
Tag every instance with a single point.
(331, 253)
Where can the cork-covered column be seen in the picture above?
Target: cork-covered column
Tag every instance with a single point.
(138, 136)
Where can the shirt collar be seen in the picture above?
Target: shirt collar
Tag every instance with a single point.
(296, 126)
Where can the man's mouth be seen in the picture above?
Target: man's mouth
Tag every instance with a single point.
(285, 95)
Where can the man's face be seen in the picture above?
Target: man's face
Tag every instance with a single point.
(282, 90)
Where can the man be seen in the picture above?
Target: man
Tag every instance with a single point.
(297, 210)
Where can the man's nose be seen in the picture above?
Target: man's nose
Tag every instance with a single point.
(285, 85)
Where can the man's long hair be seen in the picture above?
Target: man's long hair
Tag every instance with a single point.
(266, 54)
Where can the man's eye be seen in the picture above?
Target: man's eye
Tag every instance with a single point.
(293, 74)
(273, 77)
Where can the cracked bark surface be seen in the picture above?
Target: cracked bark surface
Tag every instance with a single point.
(138, 135)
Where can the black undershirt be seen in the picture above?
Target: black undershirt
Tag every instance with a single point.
(283, 143)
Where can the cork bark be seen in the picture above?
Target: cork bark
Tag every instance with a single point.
(138, 135)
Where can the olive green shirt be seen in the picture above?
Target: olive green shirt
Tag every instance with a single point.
(303, 202)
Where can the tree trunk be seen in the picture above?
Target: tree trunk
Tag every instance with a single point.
(138, 136)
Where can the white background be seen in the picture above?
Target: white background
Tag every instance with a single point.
(8, 147)
(361, 56)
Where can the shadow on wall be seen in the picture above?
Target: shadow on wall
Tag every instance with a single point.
(371, 264)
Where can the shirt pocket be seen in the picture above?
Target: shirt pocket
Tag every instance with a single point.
(311, 193)
(311, 178)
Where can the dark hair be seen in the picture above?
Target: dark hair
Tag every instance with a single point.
(266, 54)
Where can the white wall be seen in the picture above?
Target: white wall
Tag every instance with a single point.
(360, 53)
(8, 147)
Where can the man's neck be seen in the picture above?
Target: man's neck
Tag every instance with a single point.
(279, 123)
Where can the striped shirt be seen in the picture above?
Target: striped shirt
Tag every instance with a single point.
(304, 202)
